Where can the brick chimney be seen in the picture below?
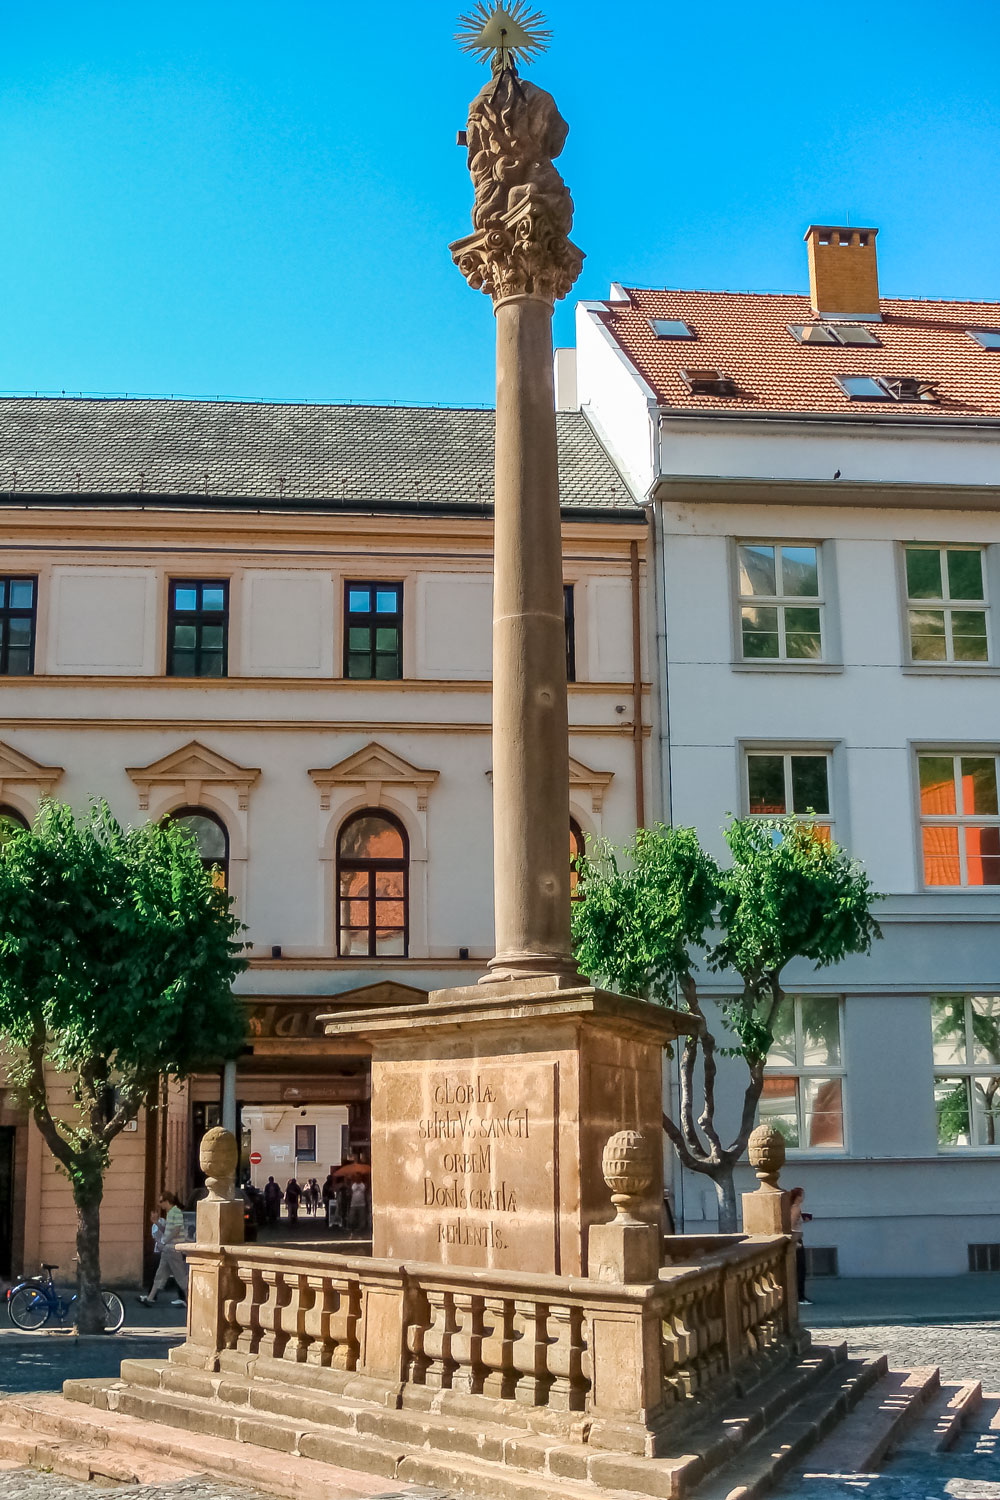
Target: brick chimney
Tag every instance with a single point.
(843, 272)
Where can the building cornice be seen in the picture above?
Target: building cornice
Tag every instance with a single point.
(871, 495)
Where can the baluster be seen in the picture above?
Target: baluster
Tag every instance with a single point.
(293, 1317)
(417, 1325)
(345, 1327)
(568, 1391)
(274, 1336)
(316, 1320)
(466, 1342)
(248, 1309)
(530, 1352)
(437, 1340)
(496, 1351)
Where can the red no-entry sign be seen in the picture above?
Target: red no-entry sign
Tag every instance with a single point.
(255, 1158)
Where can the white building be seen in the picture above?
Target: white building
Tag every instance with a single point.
(275, 622)
(823, 474)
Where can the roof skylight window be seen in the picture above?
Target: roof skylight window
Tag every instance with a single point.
(887, 388)
(863, 388)
(856, 333)
(986, 338)
(671, 328)
(708, 383)
(908, 388)
(827, 333)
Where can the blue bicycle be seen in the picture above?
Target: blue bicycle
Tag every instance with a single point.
(34, 1302)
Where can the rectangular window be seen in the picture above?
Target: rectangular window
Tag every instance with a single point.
(305, 1142)
(966, 1038)
(959, 819)
(946, 604)
(198, 628)
(373, 631)
(18, 599)
(781, 602)
(782, 782)
(803, 1094)
(986, 338)
(568, 608)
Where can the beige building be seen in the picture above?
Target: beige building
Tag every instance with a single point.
(275, 621)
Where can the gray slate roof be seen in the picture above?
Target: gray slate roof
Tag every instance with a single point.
(216, 453)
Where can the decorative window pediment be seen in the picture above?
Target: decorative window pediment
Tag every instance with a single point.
(18, 769)
(373, 768)
(582, 778)
(194, 767)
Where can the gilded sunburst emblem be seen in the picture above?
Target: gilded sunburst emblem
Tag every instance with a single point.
(510, 33)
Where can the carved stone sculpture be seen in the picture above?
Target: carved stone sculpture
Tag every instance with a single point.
(218, 1155)
(627, 1166)
(523, 211)
(766, 1153)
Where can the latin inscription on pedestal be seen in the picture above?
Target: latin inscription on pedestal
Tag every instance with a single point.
(480, 1177)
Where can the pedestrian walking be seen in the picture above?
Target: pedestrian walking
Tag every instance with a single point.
(272, 1201)
(172, 1264)
(312, 1195)
(292, 1195)
(795, 1200)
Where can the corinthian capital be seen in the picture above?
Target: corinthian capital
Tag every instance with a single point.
(523, 211)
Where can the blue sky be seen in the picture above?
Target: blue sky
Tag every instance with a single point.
(256, 199)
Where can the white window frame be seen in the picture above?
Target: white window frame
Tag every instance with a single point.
(947, 605)
(959, 820)
(966, 1071)
(801, 1072)
(781, 602)
(788, 754)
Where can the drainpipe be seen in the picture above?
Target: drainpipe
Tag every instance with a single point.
(637, 724)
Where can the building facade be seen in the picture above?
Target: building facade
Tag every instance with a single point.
(274, 623)
(823, 476)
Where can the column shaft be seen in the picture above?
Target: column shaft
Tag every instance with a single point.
(530, 721)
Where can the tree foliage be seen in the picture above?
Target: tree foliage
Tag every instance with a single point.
(117, 955)
(653, 917)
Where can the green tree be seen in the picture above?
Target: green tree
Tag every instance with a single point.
(649, 920)
(117, 953)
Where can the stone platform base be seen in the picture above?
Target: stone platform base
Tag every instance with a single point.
(447, 1441)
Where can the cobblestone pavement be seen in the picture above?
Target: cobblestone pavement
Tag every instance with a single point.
(963, 1351)
(29, 1484)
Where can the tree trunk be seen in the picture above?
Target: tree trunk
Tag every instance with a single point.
(90, 1312)
(726, 1190)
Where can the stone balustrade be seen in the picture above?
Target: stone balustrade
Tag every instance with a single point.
(715, 1324)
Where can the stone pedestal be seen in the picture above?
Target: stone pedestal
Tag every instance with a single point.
(491, 1106)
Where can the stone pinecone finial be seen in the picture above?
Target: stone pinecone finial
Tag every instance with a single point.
(218, 1155)
(766, 1153)
(627, 1165)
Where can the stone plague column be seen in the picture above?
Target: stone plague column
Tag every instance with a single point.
(521, 255)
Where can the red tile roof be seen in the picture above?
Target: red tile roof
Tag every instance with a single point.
(745, 335)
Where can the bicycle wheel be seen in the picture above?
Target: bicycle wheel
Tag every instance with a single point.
(115, 1311)
(28, 1307)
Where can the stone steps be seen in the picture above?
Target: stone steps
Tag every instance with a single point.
(47, 1432)
(440, 1438)
(763, 1461)
(877, 1424)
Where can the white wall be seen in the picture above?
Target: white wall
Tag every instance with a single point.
(891, 1203)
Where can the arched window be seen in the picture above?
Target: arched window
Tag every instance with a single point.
(11, 822)
(576, 848)
(210, 836)
(372, 886)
